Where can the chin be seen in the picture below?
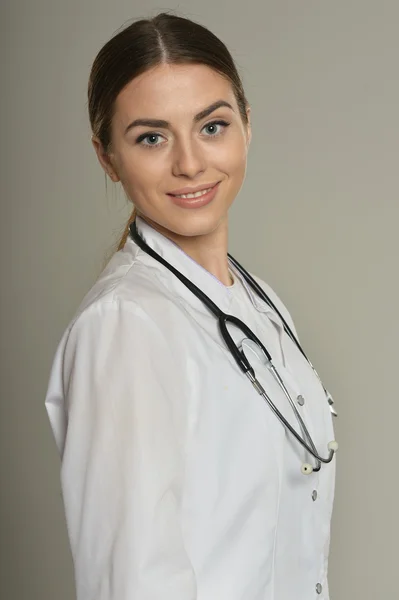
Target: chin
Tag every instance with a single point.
(196, 223)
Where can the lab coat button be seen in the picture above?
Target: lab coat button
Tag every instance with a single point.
(301, 400)
(319, 588)
(314, 495)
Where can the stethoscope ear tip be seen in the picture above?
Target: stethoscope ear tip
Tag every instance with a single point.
(306, 469)
(333, 446)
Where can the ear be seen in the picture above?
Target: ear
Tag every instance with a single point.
(104, 159)
(249, 127)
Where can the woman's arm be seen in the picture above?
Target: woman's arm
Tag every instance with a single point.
(123, 458)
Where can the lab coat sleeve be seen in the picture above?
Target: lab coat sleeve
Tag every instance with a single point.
(123, 458)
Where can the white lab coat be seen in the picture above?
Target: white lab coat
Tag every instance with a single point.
(179, 483)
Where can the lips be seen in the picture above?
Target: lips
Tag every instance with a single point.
(193, 190)
(194, 195)
(197, 201)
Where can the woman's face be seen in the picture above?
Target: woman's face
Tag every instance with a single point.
(185, 149)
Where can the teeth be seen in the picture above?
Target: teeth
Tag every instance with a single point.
(196, 195)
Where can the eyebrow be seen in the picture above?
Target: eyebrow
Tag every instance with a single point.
(161, 124)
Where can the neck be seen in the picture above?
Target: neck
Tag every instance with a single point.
(209, 251)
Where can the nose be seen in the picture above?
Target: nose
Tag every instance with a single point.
(188, 159)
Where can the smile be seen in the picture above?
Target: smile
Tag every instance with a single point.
(196, 199)
(195, 195)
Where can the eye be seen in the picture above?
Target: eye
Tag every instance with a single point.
(216, 128)
(152, 139)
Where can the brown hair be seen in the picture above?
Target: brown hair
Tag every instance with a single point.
(144, 44)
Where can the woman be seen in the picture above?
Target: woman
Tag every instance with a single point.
(179, 481)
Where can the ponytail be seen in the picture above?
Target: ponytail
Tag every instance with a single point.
(126, 231)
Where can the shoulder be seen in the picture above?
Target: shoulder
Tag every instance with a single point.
(126, 287)
(123, 281)
(128, 309)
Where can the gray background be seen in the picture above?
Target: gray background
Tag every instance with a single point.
(317, 218)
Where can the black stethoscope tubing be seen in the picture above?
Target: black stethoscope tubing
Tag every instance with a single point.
(238, 354)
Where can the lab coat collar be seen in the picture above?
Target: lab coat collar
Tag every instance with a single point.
(261, 305)
(220, 294)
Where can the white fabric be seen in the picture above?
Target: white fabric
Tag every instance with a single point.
(179, 482)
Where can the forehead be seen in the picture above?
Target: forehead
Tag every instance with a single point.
(172, 89)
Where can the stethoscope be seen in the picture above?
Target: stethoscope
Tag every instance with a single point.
(241, 359)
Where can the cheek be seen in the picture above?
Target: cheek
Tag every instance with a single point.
(233, 159)
(141, 171)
